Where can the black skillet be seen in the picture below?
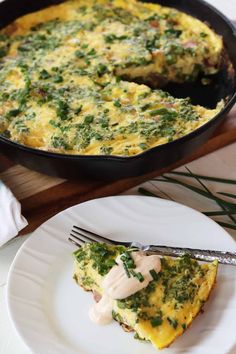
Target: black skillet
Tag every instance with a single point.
(112, 167)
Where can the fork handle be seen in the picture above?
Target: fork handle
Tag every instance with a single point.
(203, 255)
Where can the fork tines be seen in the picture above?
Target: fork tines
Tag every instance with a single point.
(79, 236)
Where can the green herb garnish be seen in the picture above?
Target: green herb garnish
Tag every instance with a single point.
(173, 322)
(102, 69)
(156, 321)
(43, 75)
(117, 103)
(79, 54)
(58, 79)
(153, 274)
(88, 119)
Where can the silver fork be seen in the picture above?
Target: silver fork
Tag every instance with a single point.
(79, 236)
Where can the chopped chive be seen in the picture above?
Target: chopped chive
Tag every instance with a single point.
(79, 109)
(117, 103)
(156, 321)
(92, 52)
(203, 34)
(159, 111)
(130, 264)
(126, 270)
(13, 113)
(102, 69)
(79, 54)
(140, 277)
(88, 119)
(173, 322)
(143, 146)
(132, 272)
(58, 79)
(43, 75)
(153, 274)
(184, 326)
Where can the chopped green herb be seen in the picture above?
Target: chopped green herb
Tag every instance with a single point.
(140, 277)
(62, 109)
(13, 113)
(143, 146)
(58, 79)
(59, 142)
(126, 270)
(145, 107)
(79, 109)
(88, 119)
(79, 54)
(102, 69)
(154, 274)
(43, 75)
(156, 321)
(92, 52)
(159, 111)
(111, 38)
(171, 32)
(117, 103)
(203, 35)
(173, 322)
(106, 150)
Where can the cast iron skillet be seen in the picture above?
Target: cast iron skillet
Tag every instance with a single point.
(113, 167)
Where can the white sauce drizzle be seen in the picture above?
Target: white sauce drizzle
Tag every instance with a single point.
(117, 285)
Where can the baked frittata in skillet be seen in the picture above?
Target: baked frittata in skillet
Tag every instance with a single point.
(162, 310)
(69, 73)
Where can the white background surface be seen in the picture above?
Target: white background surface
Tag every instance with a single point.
(221, 163)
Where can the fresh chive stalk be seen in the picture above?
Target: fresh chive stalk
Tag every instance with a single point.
(207, 178)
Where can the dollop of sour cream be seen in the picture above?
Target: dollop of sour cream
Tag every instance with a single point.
(117, 285)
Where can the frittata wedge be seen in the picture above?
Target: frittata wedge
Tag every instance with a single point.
(164, 309)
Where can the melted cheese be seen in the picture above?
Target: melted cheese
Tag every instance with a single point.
(60, 87)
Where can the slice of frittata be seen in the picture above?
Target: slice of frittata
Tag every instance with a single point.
(164, 309)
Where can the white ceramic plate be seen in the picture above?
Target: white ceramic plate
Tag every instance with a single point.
(50, 312)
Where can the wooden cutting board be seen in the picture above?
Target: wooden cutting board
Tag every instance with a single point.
(43, 196)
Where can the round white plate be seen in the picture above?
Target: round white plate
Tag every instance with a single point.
(50, 312)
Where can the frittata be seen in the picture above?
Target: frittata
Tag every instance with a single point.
(69, 73)
(164, 309)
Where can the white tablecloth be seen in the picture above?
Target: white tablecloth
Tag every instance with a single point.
(220, 163)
